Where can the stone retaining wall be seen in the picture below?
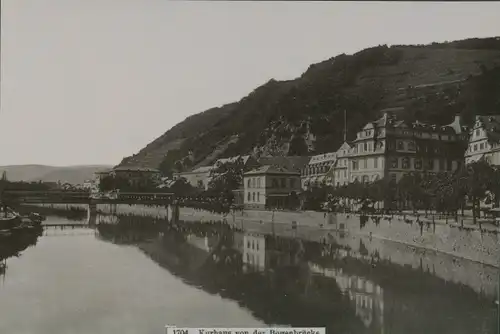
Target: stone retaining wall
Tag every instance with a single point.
(483, 247)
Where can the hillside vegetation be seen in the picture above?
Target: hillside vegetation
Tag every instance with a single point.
(70, 174)
(305, 116)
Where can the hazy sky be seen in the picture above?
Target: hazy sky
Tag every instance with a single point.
(92, 81)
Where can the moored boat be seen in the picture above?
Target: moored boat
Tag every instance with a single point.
(8, 222)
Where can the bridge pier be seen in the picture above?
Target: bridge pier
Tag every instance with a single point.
(92, 214)
(173, 212)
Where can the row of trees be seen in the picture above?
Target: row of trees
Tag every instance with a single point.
(447, 192)
(224, 178)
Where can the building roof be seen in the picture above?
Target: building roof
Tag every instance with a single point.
(244, 158)
(104, 171)
(202, 169)
(390, 118)
(491, 124)
(295, 163)
(135, 169)
(272, 169)
(325, 157)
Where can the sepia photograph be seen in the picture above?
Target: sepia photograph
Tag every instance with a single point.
(249, 167)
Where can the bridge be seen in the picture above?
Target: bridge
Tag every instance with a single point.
(84, 197)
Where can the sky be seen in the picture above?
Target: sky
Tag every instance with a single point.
(93, 81)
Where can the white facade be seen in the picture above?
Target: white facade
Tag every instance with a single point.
(254, 251)
(255, 190)
(341, 170)
(318, 170)
(484, 140)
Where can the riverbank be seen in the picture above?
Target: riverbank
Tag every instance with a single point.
(482, 246)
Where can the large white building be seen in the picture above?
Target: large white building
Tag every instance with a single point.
(269, 187)
(484, 140)
(318, 170)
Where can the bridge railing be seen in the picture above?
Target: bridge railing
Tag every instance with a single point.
(48, 196)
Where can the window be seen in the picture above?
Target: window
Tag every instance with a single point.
(365, 146)
(401, 145)
(258, 182)
(258, 197)
(418, 163)
(430, 164)
(365, 179)
(249, 183)
(441, 164)
(274, 183)
(249, 197)
(394, 163)
(481, 146)
(253, 197)
(292, 183)
(355, 165)
(283, 183)
(406, 162)
(478, 132)
(411, 145)
(475, 147)
(375, 163)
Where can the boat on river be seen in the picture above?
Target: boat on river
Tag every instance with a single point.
(12, 222)
(9, 221)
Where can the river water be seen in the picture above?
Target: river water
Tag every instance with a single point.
(129, 279)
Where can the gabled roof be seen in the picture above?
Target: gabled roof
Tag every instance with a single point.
(345, 146)
(295, 163)
(272, 169)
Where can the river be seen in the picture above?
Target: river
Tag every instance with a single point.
(125, 279)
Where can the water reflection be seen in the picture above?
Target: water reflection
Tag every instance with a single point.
(13, 245)
(291, 281)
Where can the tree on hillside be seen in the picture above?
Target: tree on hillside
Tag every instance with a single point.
(227, 176)
(171, 163)
(181, 188)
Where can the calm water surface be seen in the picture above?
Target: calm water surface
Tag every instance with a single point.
(115, 279)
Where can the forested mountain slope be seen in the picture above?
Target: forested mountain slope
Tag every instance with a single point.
(305, 116)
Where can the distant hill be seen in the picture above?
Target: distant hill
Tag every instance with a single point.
(304, 116)
(70, 174)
